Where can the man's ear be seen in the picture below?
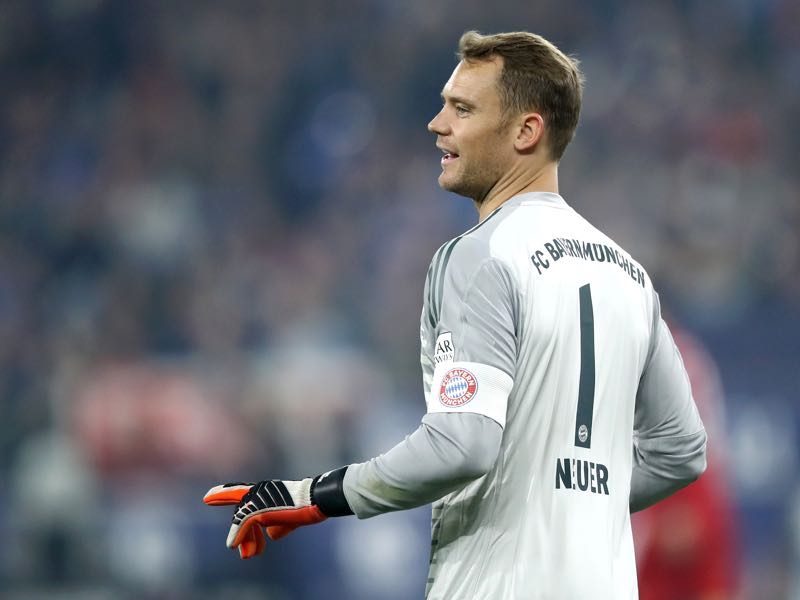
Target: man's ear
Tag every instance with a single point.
(530, 132)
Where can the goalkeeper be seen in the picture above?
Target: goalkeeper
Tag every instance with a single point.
(557, 402)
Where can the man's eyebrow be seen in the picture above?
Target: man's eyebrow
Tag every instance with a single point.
(455, 99)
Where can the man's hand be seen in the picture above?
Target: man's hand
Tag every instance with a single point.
(277, 505)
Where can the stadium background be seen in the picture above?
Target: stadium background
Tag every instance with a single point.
(215, 221)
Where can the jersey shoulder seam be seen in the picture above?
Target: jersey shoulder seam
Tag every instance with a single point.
(438, 267)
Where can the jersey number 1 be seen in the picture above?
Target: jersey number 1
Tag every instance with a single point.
(583, 419)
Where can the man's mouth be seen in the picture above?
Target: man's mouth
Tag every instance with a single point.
(449, 157)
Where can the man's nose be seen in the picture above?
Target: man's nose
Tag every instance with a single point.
(437, 124)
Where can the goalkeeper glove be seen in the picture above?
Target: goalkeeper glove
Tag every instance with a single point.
(278, 505)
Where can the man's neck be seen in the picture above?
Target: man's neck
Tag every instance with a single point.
(514, 184)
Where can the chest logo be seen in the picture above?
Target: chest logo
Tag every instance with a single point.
(459, 386)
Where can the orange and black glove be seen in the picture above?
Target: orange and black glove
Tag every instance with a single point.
(279, 506)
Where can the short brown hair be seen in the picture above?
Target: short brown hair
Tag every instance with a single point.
(536, 76)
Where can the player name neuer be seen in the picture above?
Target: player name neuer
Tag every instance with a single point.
(581, 475)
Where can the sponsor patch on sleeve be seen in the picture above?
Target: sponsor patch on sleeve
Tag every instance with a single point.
(445, 350)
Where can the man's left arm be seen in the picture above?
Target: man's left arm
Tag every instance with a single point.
(669, 450)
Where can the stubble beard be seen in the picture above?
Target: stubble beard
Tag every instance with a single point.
(475, 178)
(471, 181)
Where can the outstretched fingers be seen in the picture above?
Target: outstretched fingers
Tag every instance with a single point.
(253, 542)
(276, 532)
(226, 494)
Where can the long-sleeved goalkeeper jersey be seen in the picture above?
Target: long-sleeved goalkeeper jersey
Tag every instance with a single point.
(556, 403)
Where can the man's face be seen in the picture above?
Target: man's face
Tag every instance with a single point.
(471, 132)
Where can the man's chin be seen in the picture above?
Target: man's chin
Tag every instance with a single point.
(456, 187)
(448, 182)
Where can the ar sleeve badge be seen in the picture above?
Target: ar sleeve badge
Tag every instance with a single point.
(444, 351)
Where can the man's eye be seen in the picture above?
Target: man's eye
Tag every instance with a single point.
(462, 110)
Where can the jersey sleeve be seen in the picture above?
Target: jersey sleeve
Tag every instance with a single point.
(445, 453)
(474, 308)
(669, 438)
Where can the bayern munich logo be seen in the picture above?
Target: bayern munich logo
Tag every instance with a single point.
(459, 386)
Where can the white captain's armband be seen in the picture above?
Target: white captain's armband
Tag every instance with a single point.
(470, 387)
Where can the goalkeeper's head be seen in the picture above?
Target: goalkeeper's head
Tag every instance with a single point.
(512, 102)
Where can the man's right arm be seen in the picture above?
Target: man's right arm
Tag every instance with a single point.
(446, 452)
(669, 450)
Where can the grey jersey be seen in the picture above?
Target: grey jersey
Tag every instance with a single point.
(539, 323)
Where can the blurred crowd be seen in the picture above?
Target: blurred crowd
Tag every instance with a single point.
(215, 222)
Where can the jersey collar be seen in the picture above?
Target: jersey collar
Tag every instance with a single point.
(547, 198)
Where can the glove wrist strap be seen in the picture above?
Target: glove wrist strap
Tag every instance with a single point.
(327, 492)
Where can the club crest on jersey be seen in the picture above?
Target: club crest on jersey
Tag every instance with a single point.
(459, 386)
